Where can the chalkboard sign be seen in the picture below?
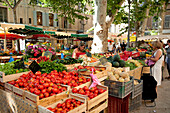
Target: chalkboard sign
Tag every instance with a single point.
(34, 67)
(48, 54)
(103, 60)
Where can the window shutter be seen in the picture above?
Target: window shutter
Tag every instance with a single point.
(43, 18)
(35, 17)
(55, 22)
(47, 19)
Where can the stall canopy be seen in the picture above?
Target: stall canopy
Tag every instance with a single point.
(35, 36)
(154, 37)
(85, 39)
(10, 36)
(49, 32)
(27, 30)
(79, 35)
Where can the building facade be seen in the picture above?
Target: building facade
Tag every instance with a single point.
(42, 17)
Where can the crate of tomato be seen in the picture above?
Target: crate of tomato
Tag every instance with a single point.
(37, 89)
(97, 97)
(72, 104)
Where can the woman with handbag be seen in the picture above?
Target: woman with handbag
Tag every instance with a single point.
(157, 58)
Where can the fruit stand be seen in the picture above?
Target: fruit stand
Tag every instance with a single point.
(73, 85)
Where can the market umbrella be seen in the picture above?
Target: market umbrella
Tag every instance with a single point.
(77, 40)
(10, 36)
(110, 41)
(35, 36)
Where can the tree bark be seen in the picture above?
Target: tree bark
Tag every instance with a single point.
(162, 16)
(99, 41)
(145, 23)
(137, 31)
(15, 16)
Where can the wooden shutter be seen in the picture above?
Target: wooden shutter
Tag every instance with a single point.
(55, 22)
(35, 17)
(43, 18)
(47, 19)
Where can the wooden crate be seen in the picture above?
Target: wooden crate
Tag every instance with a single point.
(34, 99)
(96, 100)
(100, 107)
(137, 73)
(2, 86)
(79, 109)
(6, 78)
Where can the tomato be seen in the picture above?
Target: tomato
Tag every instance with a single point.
(12, 82)
(63, 105)
(78, 102)
(42, 81)
(88, 79)
(91, 96)
(32, 90)
(68, 105)
(40, 87)
(43, 91)
(52, 94)
(68, 101)
(49, 108)
(74, 90)
(92, 89)
(85, 88)
(46, 94)
(81, 92)
(26, 84)
(59, 105)
(18, 81)
(21, 84)
(96, 91)
(41, 96)
(37, 92)
(49, 89)
(31, 85)
(38, 73)
(95, 95)
(46, 85)
(55, 90)
(101, 91)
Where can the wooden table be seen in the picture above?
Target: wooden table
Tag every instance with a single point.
(4, 59)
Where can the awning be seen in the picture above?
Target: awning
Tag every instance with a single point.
(35, 36)
(79, 35)
(154, 37)
(49, 32)
(10, 36)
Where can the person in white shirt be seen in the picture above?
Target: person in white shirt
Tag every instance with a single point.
(110, 47)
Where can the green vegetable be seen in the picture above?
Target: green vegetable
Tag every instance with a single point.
(116, 57)
(115, 64)
(122, 63)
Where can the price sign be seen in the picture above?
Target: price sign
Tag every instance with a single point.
(34, 67)
(48, 54)
(103, 60)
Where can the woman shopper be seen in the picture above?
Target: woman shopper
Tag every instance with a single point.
(79, 51)
(168, 60)
(156, 69)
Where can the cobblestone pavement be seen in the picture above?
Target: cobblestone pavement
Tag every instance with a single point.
(162, 102)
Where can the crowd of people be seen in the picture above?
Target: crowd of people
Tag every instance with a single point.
(116, 48)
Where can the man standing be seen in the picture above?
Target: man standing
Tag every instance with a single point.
(110, 47)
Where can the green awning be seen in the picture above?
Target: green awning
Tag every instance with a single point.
(33, 28)
(49, 32)
(79, 35)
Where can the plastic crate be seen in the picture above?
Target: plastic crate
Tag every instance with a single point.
(117, 105)
(138, 89)
(135, 102)
(119, 89)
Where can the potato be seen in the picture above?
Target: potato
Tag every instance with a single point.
(112, 77)
(120, 69)
(136, 82)
(127, 79)
(124, 74)
(121, 79)
(116, 76)
(116, 71)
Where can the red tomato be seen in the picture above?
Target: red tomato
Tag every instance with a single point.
(74, 90)
(55, 90)
(49, 89)
(43, 91)
(91, 96)
(46, 85)
(41, 96)
(41, 87)
(101, 91)
(32, 90)
(37, 92)
(46, 94)
(21, 84)
(38, 73)
(85, 88)
(96, 91)
(59, 105)
(92, 89)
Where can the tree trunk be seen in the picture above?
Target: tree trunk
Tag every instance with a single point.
(15, 16)
(145, 23)
(162, 16)
(137, 31)
(101, 31)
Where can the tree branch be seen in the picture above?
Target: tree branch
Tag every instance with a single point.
(8, 4)
(15, 6)
(113, 15)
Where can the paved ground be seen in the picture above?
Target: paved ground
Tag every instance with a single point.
(163, 100)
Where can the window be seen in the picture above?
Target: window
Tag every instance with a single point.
(21, 20)
(57, 24)
(39, 18)
(167, 21)
(3, 14)
(29, 20)
(154, 24)
(51, 18)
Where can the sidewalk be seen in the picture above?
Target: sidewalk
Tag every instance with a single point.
(163, 100)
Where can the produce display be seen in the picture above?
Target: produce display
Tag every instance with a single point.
(89, 69)
(117, 74)
(42, 58)
(10, 68)
(66, 106)
(42, 85)
(91, 93)
(69, 60)
(116, 62)
(48, 66)
(133, 64)
(87, 60)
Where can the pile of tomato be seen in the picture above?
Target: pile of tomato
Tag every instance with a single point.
(91, 93)
(46, 85)
(66, 106)
(42, 58)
